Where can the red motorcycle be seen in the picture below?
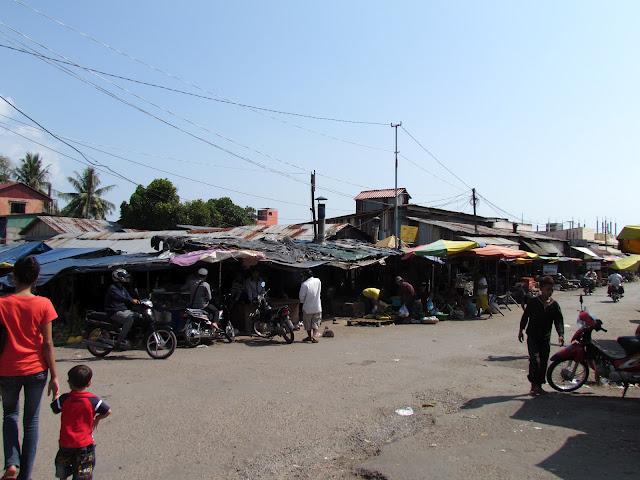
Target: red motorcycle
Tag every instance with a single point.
(620, 363)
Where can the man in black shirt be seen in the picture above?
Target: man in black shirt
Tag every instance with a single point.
(540, 314)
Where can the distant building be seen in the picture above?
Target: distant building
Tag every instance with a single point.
(373, 200)
(17, 198)
(267, 216)
(19, 205)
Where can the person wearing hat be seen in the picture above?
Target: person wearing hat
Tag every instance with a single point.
(200, 293)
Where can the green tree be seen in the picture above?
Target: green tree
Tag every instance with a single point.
(32, 172)
(87, 201)
(155, 207)
(225, 213)
(6, 169)
(195, 212)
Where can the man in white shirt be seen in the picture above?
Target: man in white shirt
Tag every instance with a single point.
(311, 306)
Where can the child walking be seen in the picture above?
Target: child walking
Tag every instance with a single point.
(81, 413)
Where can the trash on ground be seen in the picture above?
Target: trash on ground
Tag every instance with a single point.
(430, 404)
(537, 428)
(405, 412)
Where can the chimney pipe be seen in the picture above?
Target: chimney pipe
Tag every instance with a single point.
(515, 227)
(375, 221)
(321, 219)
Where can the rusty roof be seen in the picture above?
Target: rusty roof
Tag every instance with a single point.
(383, 193)
(73, 225)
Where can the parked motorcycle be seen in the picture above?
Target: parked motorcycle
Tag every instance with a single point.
(156, 336)
(569, 369)
(269, 322)
(199, 327)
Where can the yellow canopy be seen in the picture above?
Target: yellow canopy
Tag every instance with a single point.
(627, 263)
(443, 248)
(532, 255)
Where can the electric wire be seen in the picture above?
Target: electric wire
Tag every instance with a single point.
(192, 84)
(432, 155)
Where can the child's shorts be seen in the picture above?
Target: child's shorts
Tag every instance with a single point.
(77, 463)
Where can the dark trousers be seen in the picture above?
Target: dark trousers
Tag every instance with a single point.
(539, 348)
(33, 386)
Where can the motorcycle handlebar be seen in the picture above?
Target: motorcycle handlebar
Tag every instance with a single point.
(603, 329)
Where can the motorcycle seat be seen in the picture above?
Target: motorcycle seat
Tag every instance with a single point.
(197, 312)
(99, 316)
(630, 344)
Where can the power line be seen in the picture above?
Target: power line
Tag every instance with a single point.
(176, 77)
(432, 155)
(133, 161)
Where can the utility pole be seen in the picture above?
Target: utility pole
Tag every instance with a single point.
(396, 220)
(313, 204)
(474, 201)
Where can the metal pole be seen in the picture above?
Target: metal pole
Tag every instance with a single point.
(474, 199)
(395, 191)
(313, 205)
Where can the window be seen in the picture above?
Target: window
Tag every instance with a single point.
(18, 207)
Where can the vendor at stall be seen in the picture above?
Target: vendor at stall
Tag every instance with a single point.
(253, 286)
(371, 300)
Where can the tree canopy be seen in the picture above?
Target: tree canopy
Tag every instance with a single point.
(32, 172)
(6, 169)
(158, 207)
(87, 201)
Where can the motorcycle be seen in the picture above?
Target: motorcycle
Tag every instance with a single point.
(199, 328)
(156, 336)
(269, 322)
(615, 293)
(569, 369)
(588, 286)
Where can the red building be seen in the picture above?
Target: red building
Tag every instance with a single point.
(18, 199)
(267, 216)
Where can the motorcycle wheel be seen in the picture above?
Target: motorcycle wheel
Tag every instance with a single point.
(287, 333)
(229, 333)
(567, 375)
(96, 335)
(190, 340)
(161, 343)
(261, 329)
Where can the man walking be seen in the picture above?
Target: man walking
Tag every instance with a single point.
(311, 305)
(540, 314)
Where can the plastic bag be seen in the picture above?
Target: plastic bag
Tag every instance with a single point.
(403, 312)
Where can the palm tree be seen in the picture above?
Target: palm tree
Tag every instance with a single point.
(87, 201)
(32, 172)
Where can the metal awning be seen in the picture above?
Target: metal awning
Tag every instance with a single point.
(587, 252)
(484, 241)
(546, 249)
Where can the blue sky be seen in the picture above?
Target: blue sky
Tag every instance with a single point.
(533, 103)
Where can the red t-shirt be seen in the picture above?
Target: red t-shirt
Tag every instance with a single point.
(23, 316)
(79, 410)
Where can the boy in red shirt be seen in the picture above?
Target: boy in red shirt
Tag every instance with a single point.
(81, 412)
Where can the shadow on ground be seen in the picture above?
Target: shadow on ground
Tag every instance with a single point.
(607, 445)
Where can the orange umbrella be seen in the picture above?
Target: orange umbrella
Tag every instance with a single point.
(500, 252)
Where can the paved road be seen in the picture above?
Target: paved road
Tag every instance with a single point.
(260, 409)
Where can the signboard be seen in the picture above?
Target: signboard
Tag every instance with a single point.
(408, 234)
(550, 269)
(593, 265)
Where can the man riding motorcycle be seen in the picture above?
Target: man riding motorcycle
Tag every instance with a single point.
(117, 304)
(615, 284)
(200, 295)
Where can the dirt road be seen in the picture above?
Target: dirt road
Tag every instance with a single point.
(260, 409)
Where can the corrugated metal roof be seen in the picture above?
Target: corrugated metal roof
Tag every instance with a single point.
(140, 242)
(543, 248)
(503, 242)
(587, 252)
(74, 225)
(130, 242)
(469, 229)
(383, 193)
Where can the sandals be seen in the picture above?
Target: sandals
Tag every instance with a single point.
(10, 476)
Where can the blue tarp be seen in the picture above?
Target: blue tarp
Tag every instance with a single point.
(102, 264)
(11, 253)
(62, 253)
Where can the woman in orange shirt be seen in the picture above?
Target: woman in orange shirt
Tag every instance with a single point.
(25, 357)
